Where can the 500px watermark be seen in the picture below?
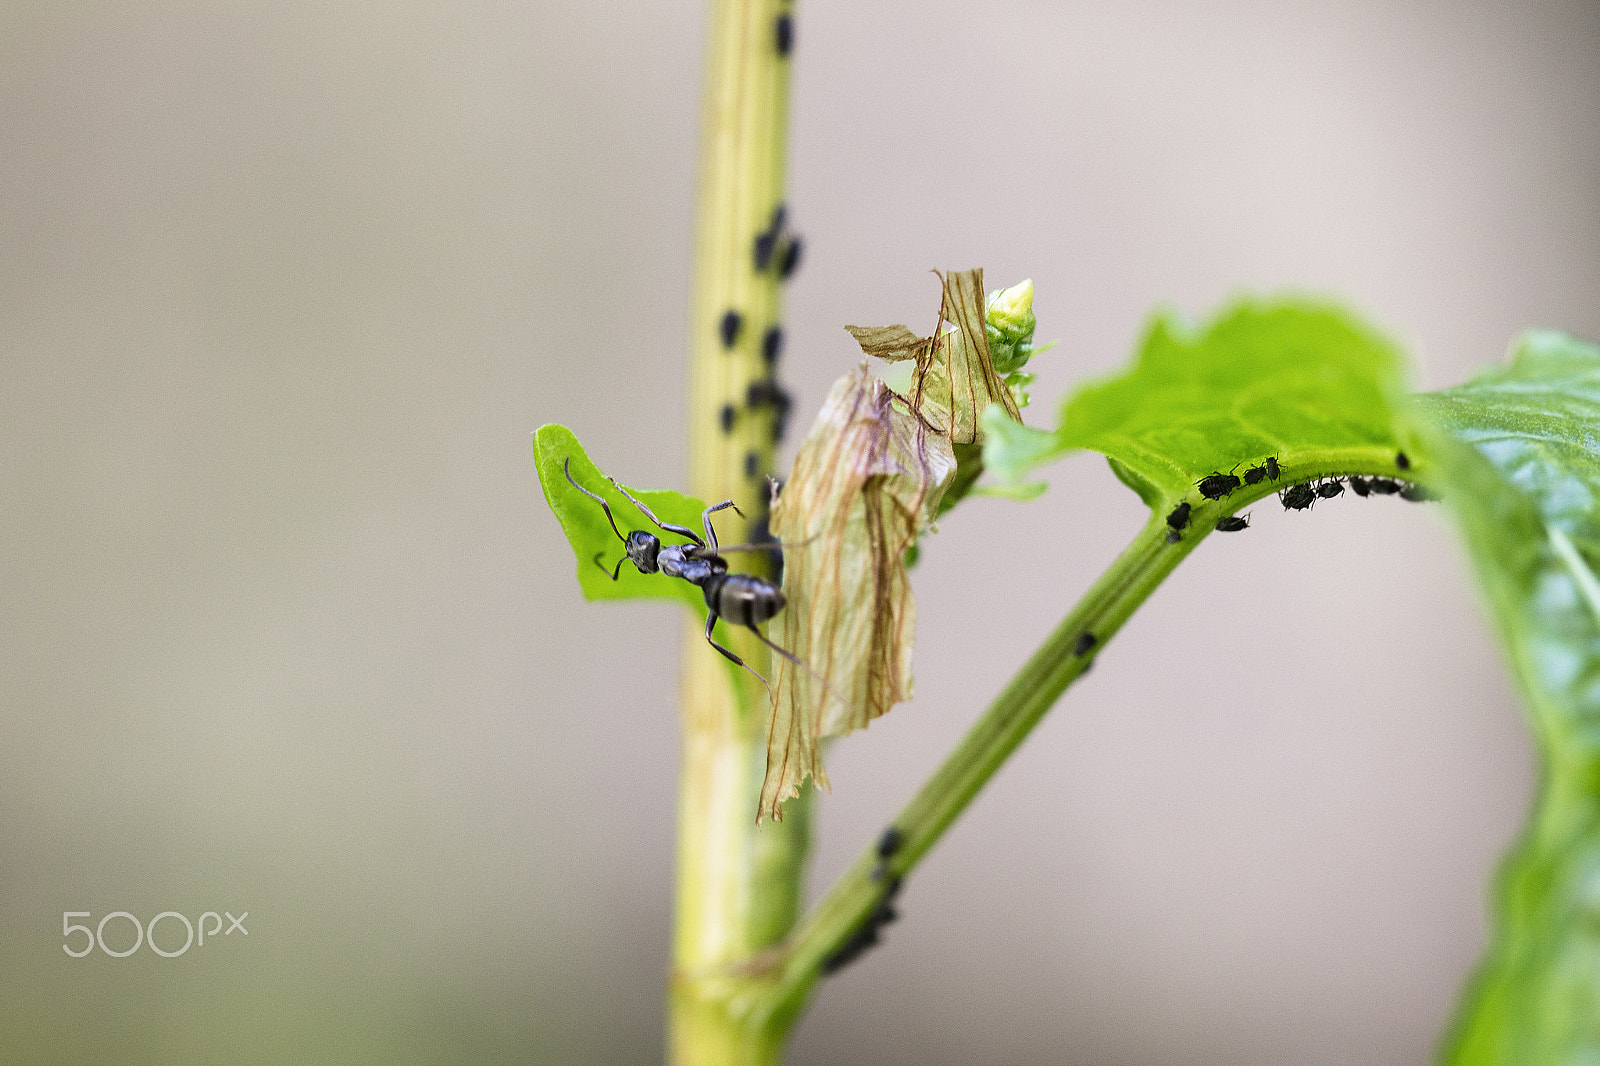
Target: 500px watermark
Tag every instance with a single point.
(146, 934)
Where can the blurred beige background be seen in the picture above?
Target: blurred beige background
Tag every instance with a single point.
(284, 289)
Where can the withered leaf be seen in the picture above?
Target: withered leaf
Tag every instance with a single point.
(955, 378)
(864, 484)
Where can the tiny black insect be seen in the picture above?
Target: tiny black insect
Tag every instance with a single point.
(1298, 497)
(1416, 493)
(890, 843)
(752, 463)
(785, 34)
(782, 403)
(1254, 474)
(731, 321)
(790, 258)
(759, 393)
(867, 935)
(1384, 486)
(1179, 516)
(772, 345)
(729, 413)
(1402, 461)
(1232, 523)
(1086, 641)
(1272, 467)
(1173, 536)
(765, 243)
(1360, 485)
(1216, 485)
(1330, 488)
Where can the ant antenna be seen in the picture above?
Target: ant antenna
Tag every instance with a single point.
(566, 468)
(613, 573)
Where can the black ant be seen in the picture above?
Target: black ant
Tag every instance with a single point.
(743, 599)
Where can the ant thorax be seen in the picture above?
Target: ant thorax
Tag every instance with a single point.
(690, 562)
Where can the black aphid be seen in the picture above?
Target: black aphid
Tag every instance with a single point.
(1360, 485)
(1272, 467)
(785, 34)
(765, 243)
(1384, 486)
(1254, 474)
(1179, 516)
(889, 843)
(1232, 523)
(1086, 641)
(731, 321)
(1416, 493)
(772, 345)
(1402, 461)
(790, 257)
(1298, 497)
(752, 463)
(866, 936)
(1173, 536)
(1215, 486)
(729, 413)
(782, 403)
(1330, 488)
(759, 393)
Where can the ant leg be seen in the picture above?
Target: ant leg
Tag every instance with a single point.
(566, 468)
(602, 566)
(711, 620)
(792, 657)
(705, 519)
(682, 531)
(766, 545)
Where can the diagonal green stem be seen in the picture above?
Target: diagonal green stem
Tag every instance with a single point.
(1019, 707)
(1063, 657)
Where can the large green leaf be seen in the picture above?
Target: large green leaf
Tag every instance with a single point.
(1528, 493)
(591, 535)
(1303, 382)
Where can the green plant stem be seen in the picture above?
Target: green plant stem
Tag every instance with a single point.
(739, 890)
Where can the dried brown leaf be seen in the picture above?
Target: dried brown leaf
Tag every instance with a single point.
(955, 377)
(864, 484)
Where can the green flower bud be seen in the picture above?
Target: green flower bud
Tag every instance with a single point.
(1009, 322)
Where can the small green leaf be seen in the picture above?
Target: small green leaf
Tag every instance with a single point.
(591, 535)
(1528, 493)
(1304, 382)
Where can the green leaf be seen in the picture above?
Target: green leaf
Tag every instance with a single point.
(1528, 493)
(591, 536)
(1303, 382)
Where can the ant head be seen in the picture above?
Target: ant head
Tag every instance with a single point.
(642, 548)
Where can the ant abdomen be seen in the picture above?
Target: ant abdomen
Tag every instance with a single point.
(743, 599)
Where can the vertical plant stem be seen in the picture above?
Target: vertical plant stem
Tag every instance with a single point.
(739, 887)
